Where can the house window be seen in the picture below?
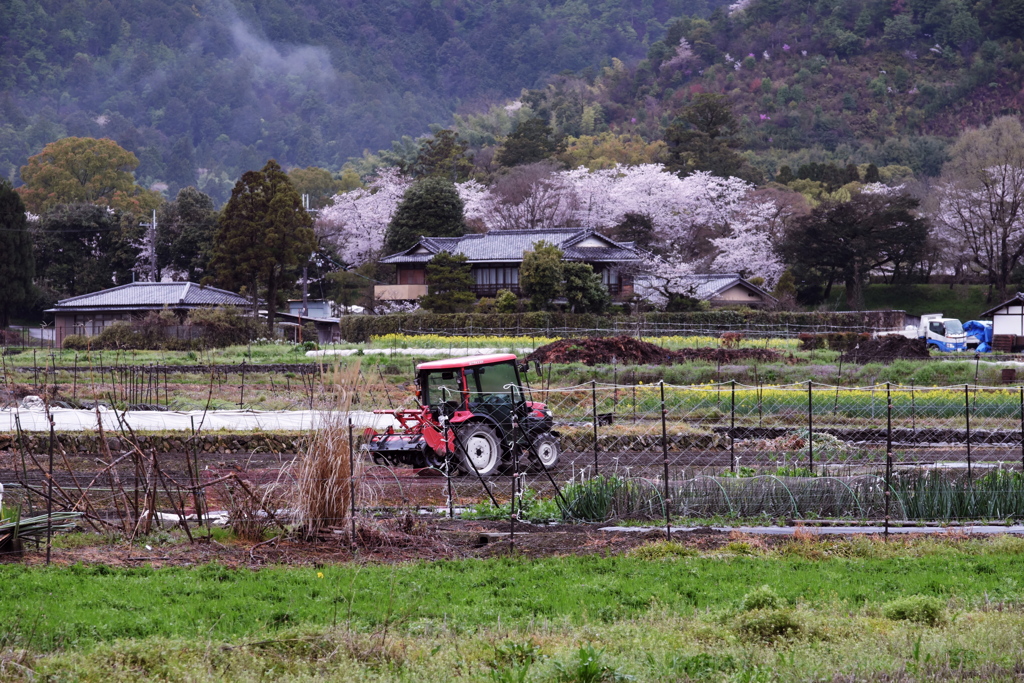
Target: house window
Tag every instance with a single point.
(496, 276)
(614, 281)
(489, 280)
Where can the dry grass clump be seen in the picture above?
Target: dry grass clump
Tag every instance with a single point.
(324, 488)
(250, 509)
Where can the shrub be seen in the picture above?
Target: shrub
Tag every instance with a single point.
(76, 342)
(506, 302)
(771, 624)
(662, 550)
(761, 598)
(484, 306)
(123, 335)
(224, 326)
(921, 609)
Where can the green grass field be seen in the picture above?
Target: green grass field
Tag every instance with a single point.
(934, 609)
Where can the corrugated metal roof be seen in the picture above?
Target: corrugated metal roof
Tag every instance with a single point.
(154, 294)
(505, 246)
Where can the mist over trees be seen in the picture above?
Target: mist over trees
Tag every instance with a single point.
(201, 92)
(707, 136)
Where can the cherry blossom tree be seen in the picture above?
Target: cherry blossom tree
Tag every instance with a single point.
(756, 232)
(531, 197)
(980, 199)
(684, 53)
(357, 220)
(750, 248)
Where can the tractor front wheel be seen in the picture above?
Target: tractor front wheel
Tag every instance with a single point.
(546, 451)
(480, 450)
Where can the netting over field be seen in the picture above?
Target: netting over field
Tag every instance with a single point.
(636, 451)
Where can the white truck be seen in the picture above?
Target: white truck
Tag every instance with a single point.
(944, 334)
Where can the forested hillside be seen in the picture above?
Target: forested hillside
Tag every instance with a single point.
(204, 90)
(841, 81)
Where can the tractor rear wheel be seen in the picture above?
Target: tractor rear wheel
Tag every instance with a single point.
(480, 450)
(546, 451)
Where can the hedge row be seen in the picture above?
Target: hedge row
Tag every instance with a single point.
(359, 328)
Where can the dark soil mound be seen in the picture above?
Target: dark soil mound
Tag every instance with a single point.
(600, 350)
(632, 351)
(886, 349)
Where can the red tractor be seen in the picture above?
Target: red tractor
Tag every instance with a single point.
(473, 412)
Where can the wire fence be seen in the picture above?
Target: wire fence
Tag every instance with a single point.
(654, 452)
(643, 329)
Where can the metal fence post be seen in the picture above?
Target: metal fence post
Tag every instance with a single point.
(967, 421)
(351, 483)
(810, 428)
(49, 497)
(664, 455)
(593, 404)
(888, 456)
(732, 431)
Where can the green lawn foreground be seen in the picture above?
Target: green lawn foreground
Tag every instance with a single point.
(663, 613)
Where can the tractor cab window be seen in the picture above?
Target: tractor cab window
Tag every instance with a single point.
(442, 386)
(488, 382)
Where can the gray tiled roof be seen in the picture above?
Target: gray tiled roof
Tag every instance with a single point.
(146, 295)
(707, 286)
(505, 246)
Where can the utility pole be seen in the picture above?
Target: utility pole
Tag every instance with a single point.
(151, 248)
(305, 290)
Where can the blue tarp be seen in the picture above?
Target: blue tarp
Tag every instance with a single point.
(981, 330)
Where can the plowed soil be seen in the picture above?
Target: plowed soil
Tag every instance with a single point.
(886, 349)
(632, 351)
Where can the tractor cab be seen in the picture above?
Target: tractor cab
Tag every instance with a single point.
(488, 388)
(473, 408)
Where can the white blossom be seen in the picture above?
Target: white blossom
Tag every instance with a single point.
(684, 53)
(357, 220)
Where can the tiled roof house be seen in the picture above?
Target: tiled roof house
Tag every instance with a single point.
(89, 314)
(495, 258)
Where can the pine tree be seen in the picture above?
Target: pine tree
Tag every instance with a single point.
(263, 236)
(430, 208)
(17, 263)
(449, 284)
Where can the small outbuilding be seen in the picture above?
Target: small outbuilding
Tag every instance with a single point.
(90, 314)
(1007, 325)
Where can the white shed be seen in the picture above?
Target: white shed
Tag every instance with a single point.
(1007, 324)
